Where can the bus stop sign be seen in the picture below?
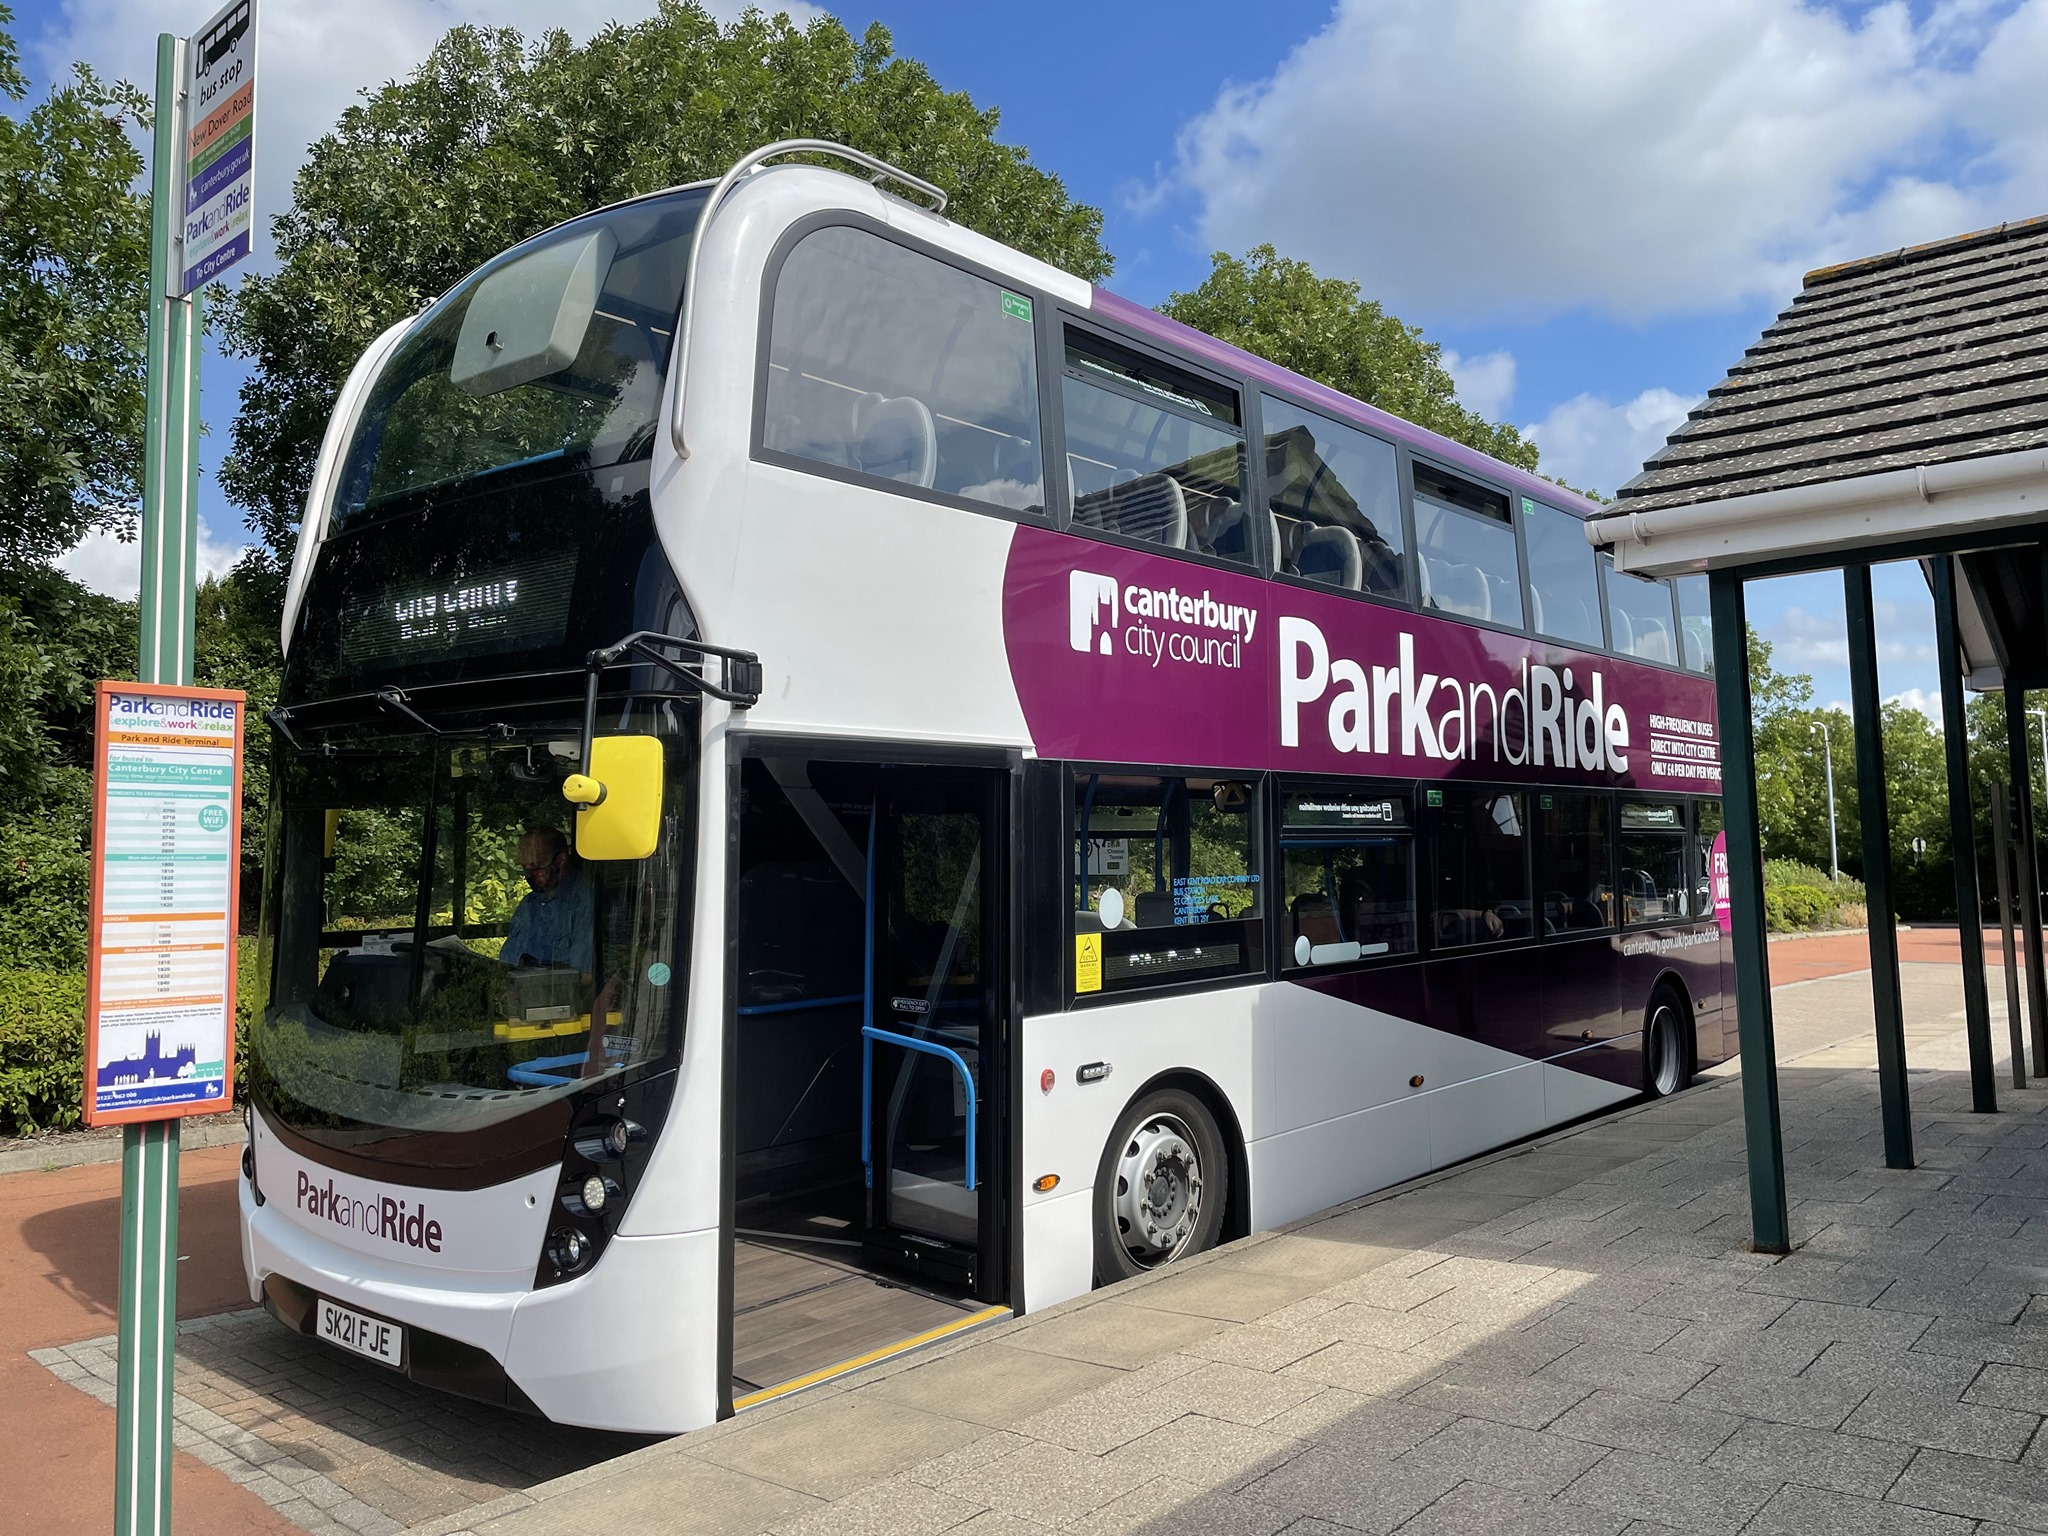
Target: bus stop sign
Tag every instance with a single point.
(218, 164)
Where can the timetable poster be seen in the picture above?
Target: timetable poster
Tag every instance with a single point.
(167, 824)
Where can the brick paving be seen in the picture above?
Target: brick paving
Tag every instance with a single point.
(336, 1445)
(1568, 1337)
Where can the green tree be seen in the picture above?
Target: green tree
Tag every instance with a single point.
(74, 262)
(494, 138)
(1277, 307)
(235, 645)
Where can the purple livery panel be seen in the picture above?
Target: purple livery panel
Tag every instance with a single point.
(1120, 655)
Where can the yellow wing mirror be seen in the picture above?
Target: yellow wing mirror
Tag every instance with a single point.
(618, 798)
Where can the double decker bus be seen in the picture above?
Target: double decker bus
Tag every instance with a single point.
(835, 782)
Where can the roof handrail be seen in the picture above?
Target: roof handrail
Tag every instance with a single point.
(881, 171)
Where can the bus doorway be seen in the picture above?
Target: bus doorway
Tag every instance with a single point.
(868, 1066)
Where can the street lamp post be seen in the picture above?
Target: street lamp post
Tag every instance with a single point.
(2042, 716)
(1834, 849)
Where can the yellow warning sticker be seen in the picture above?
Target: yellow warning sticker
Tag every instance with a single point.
(1087, 962)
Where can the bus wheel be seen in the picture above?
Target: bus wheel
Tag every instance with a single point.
(1667, 1064)
(1162, 1187)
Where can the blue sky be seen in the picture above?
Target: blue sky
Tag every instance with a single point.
(1594, 205)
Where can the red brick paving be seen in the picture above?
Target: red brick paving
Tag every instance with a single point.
(1836, 954)
(60, 1244)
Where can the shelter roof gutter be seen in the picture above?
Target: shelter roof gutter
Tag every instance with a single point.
(1929, 501)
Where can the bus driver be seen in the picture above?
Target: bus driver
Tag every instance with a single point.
(553, 923)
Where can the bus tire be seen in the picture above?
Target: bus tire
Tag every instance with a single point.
(1667, 1053)
(1162, 1188)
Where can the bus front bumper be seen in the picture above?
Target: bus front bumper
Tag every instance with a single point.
(632, 1345)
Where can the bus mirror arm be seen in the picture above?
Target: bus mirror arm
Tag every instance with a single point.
(739, 673)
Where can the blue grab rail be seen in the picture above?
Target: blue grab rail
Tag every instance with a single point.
(869, 1035)
(799, 1005)
(534, 1074)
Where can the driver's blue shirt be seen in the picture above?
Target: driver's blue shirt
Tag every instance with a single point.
(555, 926)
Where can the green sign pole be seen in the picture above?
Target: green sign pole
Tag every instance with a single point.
(170, 545)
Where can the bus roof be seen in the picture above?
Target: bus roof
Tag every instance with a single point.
(1201, 344)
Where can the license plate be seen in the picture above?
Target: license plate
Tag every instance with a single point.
(371, 1336)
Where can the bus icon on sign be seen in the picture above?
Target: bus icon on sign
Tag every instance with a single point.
(1087, 596)
(215, 45)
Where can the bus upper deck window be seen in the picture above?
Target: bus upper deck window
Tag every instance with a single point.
(1153, 452)
(1466, 542)
(1564, 586)
(1695, 624)
(1640, 613)
(895, 365)
(1334, 496)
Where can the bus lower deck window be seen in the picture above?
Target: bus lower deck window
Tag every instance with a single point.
(1167, 879)
(1482, 867)
(1348, 875)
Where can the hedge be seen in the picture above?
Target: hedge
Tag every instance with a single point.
(42, 1050)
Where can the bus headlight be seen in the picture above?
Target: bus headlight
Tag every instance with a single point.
(593, 1193)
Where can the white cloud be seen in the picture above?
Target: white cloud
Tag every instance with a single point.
(1801, 638)
(1485, 384)
(316, 56)
(105, 564)
(1595, 445)
(1928, 703)
(1465, 157)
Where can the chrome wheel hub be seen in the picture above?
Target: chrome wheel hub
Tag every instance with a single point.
(1667, 1050)
(1158, 1190)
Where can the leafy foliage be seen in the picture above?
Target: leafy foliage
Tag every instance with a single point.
(1278, 308)
(42, 1050)
(495, 138)
(74, 260)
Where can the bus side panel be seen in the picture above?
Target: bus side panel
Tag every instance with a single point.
(1067, 1129)
(1492, 997)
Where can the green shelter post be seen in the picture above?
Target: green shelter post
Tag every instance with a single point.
(1770, 1228)
(1962, 836)
(1874, 804)
(170, 544)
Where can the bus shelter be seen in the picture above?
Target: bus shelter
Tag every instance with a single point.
(1898, 410)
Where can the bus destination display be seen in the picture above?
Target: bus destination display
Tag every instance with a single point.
(161, 1003)
(475, 613)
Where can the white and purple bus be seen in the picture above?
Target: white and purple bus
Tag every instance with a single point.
(835, 782)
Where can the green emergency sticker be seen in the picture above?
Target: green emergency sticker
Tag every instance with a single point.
(1433, 796)
(1016, 306)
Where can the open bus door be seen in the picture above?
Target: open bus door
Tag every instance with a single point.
(869, 1074)
(933, 1031)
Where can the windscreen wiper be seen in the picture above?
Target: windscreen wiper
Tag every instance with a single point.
(392, 700)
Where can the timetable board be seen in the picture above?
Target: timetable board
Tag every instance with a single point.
(167, 823)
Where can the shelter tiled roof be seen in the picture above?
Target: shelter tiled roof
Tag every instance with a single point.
(1928, 354)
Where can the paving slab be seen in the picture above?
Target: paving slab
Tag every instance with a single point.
(1566, 1338)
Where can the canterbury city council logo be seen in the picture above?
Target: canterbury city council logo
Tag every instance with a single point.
(1089, 597)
